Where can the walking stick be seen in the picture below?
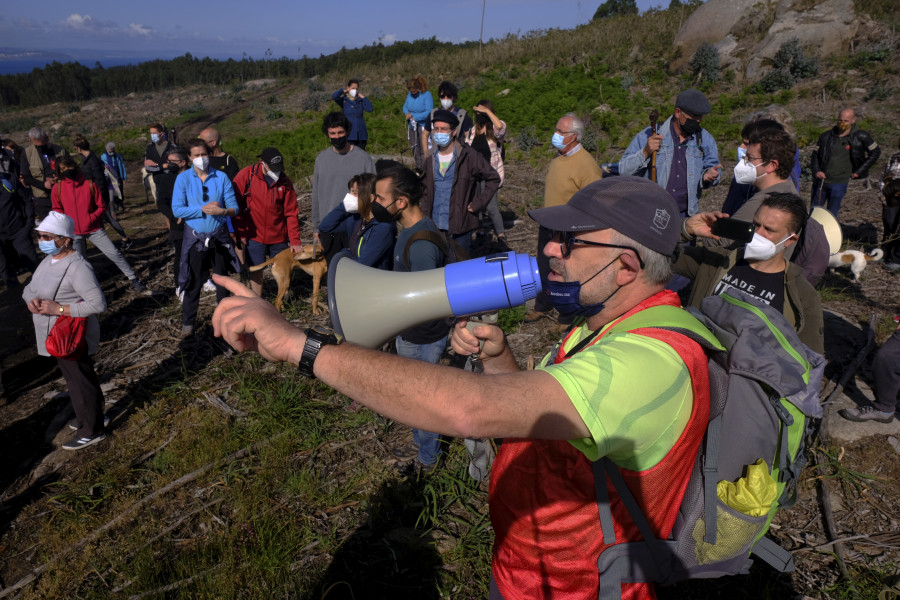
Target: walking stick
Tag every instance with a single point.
(654, 117)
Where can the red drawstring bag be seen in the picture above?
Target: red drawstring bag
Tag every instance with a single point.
(67, 338)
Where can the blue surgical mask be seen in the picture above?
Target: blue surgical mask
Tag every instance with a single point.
(441, 139)
(48, 247)
(565, 296)
(154, 137)
(742, 152)
(558, 141)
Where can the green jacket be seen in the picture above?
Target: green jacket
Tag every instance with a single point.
(802, 305)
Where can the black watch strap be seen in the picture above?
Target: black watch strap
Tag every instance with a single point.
(316, 337)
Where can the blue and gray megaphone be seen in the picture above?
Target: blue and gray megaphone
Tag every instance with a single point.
(370, 306)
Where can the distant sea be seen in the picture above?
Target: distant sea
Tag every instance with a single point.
(9, 67)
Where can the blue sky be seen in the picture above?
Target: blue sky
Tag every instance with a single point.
(232, 27)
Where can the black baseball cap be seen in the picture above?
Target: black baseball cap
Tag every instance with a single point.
(273, 159)
(633, 206)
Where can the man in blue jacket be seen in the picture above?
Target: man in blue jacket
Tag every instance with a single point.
(687, 160)
(354, 104)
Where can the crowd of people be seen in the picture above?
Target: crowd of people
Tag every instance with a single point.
(608, 248)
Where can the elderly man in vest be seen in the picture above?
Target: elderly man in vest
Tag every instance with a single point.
(589, 398)
(38, 169)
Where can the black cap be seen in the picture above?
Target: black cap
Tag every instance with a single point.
(693, 101)
(445, 116)
(633, 206)
(273, 159)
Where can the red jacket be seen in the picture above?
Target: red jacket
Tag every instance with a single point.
(268, 213)
(81, 200)
(544, 508)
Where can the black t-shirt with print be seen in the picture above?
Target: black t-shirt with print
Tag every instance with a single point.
(767, 287)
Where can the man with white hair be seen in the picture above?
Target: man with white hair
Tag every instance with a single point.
(38, 169)
(572, 169)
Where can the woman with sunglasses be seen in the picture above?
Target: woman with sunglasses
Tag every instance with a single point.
(64, 284)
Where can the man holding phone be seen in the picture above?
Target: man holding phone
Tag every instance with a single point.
(758, 268)
(767, 165)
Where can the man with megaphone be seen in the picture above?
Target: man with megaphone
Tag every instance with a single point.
(641, 399)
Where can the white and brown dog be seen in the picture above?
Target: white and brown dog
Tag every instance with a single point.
(854, 259)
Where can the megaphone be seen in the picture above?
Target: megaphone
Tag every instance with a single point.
(370, 306)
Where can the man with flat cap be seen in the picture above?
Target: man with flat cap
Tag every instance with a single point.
(680, 156)
(452, 173)
(267, 223)
(589, 398)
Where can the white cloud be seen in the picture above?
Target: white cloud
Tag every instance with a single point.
(388, 39)
(139, 29)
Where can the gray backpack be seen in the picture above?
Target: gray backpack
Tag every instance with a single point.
(764, 395)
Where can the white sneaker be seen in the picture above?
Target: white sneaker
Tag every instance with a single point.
(209, 286)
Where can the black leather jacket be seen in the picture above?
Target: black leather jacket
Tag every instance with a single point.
(864, 151)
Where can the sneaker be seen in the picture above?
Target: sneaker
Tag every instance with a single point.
(209, 286)
(73, 424)
(866, 413)
(187, 330)
(83, 442)
(407, 452)
(138, 285)
(533, 316)
(126, 244)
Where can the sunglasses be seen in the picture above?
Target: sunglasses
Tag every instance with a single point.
(205, 193)
(568, 240)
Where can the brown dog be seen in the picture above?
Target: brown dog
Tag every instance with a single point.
(311, 261)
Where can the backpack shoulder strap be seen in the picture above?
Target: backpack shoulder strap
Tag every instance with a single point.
(429, 236)
(673, 318)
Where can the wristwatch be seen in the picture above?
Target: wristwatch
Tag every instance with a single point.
(61, 309)
(316, 337)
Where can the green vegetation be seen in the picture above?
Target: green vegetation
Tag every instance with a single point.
(616, 8)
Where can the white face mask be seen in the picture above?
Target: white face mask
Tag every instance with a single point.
(745, 172)
(351, 203)
(447, 103)
(201, 163)
(353, 93)
(272, 175)
(761, 248)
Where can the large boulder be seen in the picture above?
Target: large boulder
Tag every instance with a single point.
(748, 33)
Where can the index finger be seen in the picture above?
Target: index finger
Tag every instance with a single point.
(232, 285)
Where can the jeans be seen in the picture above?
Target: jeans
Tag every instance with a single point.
(493, 211)
(828, 195)
(257, 251)
(104, 245)
(429, 443)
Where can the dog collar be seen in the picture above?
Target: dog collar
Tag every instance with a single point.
(316, 337)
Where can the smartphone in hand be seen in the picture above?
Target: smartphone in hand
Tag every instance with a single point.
(733, 229)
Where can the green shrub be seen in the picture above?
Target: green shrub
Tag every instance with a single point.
(792, 58)
(615, 8)
(527, 139)
(705, 63)
(314, 85)
(314, 101)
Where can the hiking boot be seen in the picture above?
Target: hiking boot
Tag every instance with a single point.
(533, 316)
(407, 452)
(83, 442)
(73, 424)
(866, 413)
(138, 285)
(126, 245)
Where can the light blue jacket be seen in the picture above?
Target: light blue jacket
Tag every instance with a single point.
(188, 199)
(699, 159)
(419, 107)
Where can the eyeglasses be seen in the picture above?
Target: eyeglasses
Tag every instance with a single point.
(47, 238)
(568, 240)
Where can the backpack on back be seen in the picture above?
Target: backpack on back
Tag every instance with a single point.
(764, 395)
(452, 251)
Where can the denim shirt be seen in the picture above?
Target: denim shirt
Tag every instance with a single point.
(699, 159)
(443, 189)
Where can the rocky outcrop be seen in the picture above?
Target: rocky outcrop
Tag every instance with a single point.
(748, 33)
